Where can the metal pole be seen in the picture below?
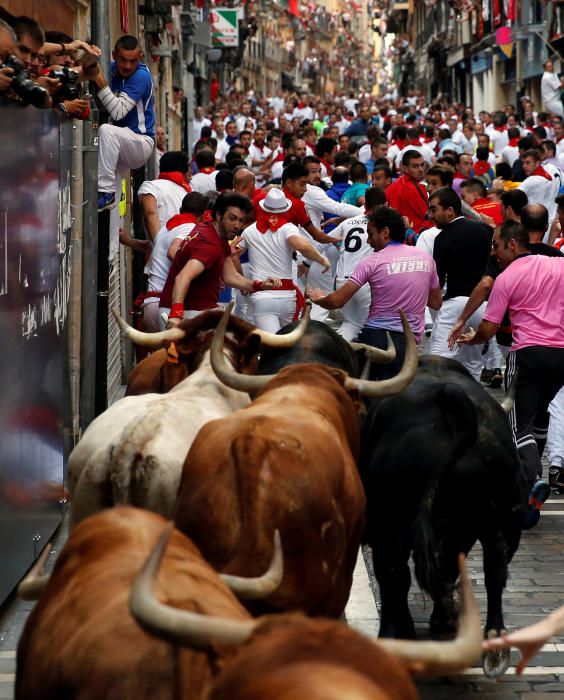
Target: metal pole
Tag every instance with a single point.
(89, 316)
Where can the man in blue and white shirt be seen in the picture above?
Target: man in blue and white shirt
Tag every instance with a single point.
(128, 141)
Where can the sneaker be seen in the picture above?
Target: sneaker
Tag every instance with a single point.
(428, 329)
(497, 379)
(486, 376)
(556, 478)
(106, 200)
(537, 497)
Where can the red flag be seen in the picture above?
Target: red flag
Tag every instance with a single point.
(124, 15)
(294, 8)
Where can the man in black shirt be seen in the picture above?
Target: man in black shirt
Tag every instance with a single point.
(461, 252)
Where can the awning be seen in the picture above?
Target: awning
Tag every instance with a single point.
(455, 57)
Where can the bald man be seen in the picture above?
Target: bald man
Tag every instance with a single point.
(244, 182)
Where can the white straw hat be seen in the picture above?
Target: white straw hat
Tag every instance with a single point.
(275, 202)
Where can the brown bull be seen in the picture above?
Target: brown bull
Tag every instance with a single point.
(287, 462)
(81, 642)
(288, 656)
(167, 366)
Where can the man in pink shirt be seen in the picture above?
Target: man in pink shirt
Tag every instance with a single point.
(532, 289)
(400, 277)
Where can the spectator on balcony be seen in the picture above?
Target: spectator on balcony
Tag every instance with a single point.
(551, 86)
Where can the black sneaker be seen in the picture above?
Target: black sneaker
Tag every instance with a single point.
(486, 375)
(497, 379)
(556, 478)
(537, 497)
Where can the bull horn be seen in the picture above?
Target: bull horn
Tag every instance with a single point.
(261, 586)
(377, 354)
(286, 340)
(150, 340)
(387, 387)
(35, 582)
(509, 400)
(440, 658)
(179, 626)
(224, 372)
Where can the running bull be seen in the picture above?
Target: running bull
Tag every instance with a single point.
(287, 462)
(134, 451)
(440, 472)
(81, 641)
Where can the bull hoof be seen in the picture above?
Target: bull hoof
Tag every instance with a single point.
(495, 663)
(442, 627)
(401, 631)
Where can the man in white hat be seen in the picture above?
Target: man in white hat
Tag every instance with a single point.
(271, 241)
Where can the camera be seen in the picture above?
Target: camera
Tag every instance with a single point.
(28, 91)
(68, 79)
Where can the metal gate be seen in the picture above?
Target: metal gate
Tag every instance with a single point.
(35, 266)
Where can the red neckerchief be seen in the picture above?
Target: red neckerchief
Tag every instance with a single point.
(301, 105)
(328, 167)
(501, 129)
(414, 142)
(428, 139)
(269, 220)
(459, 176)
(560, 139)
(513, 142)
(481, 167)
(179, 219)
(208, 170)
(178, 179)
(541, 172)
(279, 157)
(261, 148)
(399, 143)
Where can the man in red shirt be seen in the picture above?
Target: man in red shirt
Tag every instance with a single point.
(203, 261)
(407, 194)
(474, 193)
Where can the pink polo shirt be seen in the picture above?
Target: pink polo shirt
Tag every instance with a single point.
(400, 277)
(532, 288)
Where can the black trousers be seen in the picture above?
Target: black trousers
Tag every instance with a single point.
(377, 338)
(541, 376)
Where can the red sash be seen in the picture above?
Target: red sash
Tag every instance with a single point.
(288, 285)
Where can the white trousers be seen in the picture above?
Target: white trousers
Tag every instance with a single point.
(272, 313)
(556, 107)
(493, 359)
(468, 355)
(317, 279)
(242, 301)
(151, 317)
(555, 437)
(120, 150)
(355, 311)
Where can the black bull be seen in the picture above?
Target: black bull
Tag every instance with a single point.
(440, 472)
(320, 343)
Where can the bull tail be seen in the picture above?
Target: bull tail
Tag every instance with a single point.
(127, 459)
(461, 427)
(253, 551)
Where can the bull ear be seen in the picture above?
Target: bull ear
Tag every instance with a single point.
(251, 349)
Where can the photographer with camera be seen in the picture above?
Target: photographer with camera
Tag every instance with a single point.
(64, 68)
(21, 43)
(129, 140)
(7, 48)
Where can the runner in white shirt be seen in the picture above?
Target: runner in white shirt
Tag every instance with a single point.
(271, 241)
(199, 122)
(317, 203)
(177, 229)
(259, 153)
(204, 181)
(354, 248)
(510, 153)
